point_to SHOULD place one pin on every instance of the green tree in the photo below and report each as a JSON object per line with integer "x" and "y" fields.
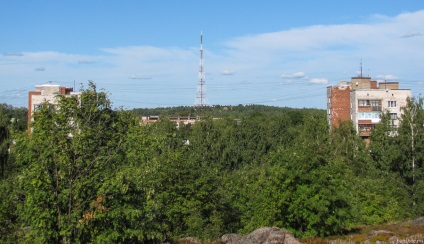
{"x": 12, "y": 123}
{"x": 74, "y": 149}
{"x": 411, "y": 133}
{"x": 383, "y": 146}
{"x": 318, "y": 204}
{"x": 298, "y": 187}
{"x": 186, "y": 182}
{"x": 399, "y": 151}
{"x": 380, "y": 195}
{"x": 4, "y": 139}
{"x": 9, "y": 223}
{"x": 410, "y": 139}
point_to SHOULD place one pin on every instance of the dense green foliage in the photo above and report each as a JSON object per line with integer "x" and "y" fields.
{"x": 87, "y": 173}
{"x": 11, "y": 120}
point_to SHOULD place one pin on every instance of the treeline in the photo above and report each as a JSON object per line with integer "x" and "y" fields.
{"x": 218, "y": 111}
{"x": 88, "y": 173}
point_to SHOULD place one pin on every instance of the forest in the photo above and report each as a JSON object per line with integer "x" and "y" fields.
{"x": 88, "y": 173}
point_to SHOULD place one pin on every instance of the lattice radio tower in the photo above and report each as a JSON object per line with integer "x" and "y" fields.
{"x": 201, "y": 100}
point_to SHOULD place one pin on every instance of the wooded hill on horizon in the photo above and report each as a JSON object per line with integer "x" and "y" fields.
{"x": 232, "y": 111}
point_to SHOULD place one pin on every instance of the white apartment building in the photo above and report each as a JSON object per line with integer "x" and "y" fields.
{"x": 45, "y": 93}
{"x": 363, "y": 101}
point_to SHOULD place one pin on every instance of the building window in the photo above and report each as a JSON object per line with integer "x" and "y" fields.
{"x": 36, "y": 107}
{"x": 391, "y": 104}
{"x": 393, "y": 116}
{"x": 369, "y": 115}
{"x": 365, "y": 127}
{"x": 374, "y": 104}
{"x": 392, "y": 124}
{"x": 364, "y": 103}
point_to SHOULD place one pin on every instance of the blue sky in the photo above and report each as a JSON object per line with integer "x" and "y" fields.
{"x": 146, "y": 53}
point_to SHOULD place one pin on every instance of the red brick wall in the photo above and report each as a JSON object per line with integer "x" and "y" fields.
{"x": 340, "y": 104}
{"x": 66, "y": 90}
{"x": 30, "y": 94}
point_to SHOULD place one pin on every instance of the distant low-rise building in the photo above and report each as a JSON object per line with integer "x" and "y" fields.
{"x": 179, "y": 120}
{"x": 363, "y": 101}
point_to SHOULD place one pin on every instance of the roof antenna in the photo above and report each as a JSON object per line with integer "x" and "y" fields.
{"x": 360, "y": 68}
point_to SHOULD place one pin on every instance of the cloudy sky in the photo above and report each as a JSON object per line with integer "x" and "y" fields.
{"x": 146, "y": 53}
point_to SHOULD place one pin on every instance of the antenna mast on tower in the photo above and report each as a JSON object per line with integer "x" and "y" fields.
{"x": 201, "y": 100}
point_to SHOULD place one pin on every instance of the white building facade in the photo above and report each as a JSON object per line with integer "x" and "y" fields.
{"x": 45, "y": 93}
{"x": 364, "y": 101}
{"x": 368, "y": 105}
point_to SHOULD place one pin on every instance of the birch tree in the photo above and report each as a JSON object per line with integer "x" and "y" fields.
{"x": 411, "y": 142}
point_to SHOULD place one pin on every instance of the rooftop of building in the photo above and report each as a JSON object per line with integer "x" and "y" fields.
{"x": 48, "y": 85}
{"x": 366, "y": 83}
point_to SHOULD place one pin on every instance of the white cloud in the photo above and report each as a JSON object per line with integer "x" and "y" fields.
{"x": 333, "y": 52}
{"x": 387, "y": 77}
{"x": 143, "y": 53}
{"x": 297, "y": 75}
{"x": 319, "y": 81}
{"x": 346, "y": 41}
{"x": 13, "y": 54}
{"x": 138, "y": 77}
{"x": 228, "y": 72}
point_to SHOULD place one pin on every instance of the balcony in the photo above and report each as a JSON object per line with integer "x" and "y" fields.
{"x": 370, "y": 109}
{"x": 376, "y": 108}
{"x": 364, "y": 133}
{"x": 366, "y": 128}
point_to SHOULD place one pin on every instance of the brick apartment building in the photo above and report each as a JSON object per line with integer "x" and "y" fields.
{"x": 363, "y": 101}
{"x": 45, "y": 93}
